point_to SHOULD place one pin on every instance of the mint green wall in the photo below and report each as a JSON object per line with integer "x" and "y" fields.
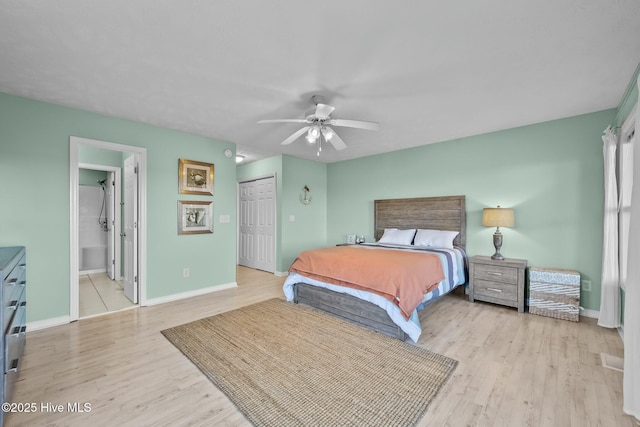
{"x": 309, "y": 228}
{"x": 90, "y": 177}
{"x": 34, "y": 147}
{"x": 551, "y": 174}
{"x": 100, "y": 156}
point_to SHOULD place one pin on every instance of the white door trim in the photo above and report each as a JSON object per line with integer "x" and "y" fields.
{"x": 141, "y": 155}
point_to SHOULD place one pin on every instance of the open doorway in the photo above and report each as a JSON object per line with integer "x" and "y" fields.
{"x": 101, "y": 286}
{"x": 107, "y": 267}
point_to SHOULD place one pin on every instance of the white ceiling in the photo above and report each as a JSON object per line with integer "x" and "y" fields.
{"x": 427, "y": 71}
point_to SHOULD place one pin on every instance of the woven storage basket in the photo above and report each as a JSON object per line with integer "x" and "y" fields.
{"x": 554, "y": 293}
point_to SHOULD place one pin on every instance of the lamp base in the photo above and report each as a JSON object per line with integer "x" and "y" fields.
{"x": 497, "y": 243}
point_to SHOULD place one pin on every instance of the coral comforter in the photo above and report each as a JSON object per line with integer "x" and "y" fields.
{"x": 399, "y": 276}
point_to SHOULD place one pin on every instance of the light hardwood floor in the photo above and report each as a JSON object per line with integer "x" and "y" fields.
{"x": 514, "y": 369}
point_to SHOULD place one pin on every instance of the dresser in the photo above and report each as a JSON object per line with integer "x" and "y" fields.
{"x": 498, "y": 281}
{"x": 13, "y": 282}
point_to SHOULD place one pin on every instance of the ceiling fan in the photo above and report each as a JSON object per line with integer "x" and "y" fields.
{"x": 317, "y": 128}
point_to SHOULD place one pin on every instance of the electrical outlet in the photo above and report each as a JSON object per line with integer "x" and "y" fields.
{"x": 185, "y": 272}
{"x": 586, "y": 285}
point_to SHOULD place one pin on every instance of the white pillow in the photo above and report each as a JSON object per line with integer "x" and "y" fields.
{"x": 397, "y": 237}
{"x": 435, "y": 238}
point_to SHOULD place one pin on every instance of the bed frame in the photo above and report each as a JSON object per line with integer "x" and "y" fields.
{"x": 436, "y": 213}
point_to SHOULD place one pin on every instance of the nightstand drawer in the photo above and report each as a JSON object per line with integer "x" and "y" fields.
{"x": 496, "y": 273}
{"x": 502, "y": 291}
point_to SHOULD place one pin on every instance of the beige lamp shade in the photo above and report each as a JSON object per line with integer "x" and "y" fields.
{"x": 498, "y": 217}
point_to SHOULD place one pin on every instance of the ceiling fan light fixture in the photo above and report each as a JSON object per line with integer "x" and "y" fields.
{"x": 327, "y": 133}
{"x": 310, "y": 139}
{"x": 314, "y": 132}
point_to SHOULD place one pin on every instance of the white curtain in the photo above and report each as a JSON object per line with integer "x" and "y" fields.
{"x": 625, "y": 176}
{"x": 631, "y": 379}
{"x": 609, "y": 288}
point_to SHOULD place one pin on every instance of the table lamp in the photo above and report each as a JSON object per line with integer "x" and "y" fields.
{"x": 497, "y": 217}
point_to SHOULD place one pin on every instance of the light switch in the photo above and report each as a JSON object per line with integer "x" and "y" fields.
{"x": 292, "y": 218}
{"x": 224, "y": 219}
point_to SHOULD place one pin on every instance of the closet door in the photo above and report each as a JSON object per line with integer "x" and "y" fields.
{"x": 257, "y": 224}
{"x": 265, "y": 224}
{"x": 247, "y": 224}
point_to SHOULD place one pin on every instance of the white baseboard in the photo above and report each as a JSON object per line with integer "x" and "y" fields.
{"x": 281, "y": 273}
{"x": 63, "y": 320}
{"x": 189, "y": 294}
{"x": 48, "y": 323}
{"x": 593, "y": 314}
{"x": 621, "y": 332}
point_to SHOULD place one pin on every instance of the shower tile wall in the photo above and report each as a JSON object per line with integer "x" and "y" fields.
{"x": 92, "y": 239}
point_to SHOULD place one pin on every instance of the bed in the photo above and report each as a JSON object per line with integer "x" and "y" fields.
{"x": 369, "y": 308}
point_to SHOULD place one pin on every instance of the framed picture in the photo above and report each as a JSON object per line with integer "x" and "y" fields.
{"x": 195, "y": 177}
{"x": 195, "y": 217}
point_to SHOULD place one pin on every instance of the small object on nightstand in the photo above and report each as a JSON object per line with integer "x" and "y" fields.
{"x": 351, "y": 239}
{"x": 498, "y": 281}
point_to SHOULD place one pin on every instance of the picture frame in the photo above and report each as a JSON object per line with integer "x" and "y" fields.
{"x": 195, "y": 217}
{"x": 195, "y": 177}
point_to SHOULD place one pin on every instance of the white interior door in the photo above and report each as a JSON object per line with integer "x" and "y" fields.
{"x": 130, "y": 230}
{"x": 256, "y": 243}
{"x": 265, "y": 224}
{"x": 111, "y": 223}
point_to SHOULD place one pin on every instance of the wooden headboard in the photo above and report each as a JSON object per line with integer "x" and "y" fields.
{"x": 435, "y": 213}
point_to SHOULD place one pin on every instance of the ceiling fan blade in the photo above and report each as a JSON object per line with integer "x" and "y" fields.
{"x": 354, "y": 124}
{"x": 295, "y": 136}
{"x": 333, "y": 138}
{"x": 323, "y": 111}
{"x": 284, "y": 121}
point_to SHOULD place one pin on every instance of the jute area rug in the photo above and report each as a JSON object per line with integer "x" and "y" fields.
{"x": 284, "y": 364}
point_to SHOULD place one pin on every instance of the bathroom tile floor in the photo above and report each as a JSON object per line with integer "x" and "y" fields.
{"x": 99, "y": 294}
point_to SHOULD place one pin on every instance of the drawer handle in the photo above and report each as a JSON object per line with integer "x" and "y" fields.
{"x": 13, "y": 305}
{"x": 22, "y": 283}
{"x": 14, "y": 365}
{"x": 493, "y": 273}
{"x": 12, "y": 281}
{"x": 494, "y": 290}
{"x": 23, "y": 304}
{"x": 23, "y": 329}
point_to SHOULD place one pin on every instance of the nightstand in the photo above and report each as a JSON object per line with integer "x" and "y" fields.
{"x": 497, "y": 281}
